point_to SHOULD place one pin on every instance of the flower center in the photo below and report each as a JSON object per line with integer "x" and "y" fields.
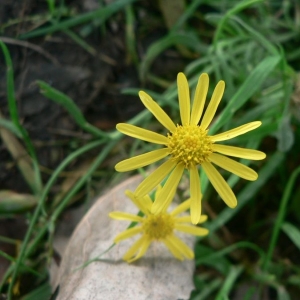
{"x": 158, "y": 226}
{"x": 190, "y": 145}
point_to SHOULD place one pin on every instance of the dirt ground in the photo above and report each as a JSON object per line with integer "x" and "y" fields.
{"x": 93, "y": 81}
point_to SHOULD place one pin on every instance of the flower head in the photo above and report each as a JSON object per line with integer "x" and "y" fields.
{"x": 157, "y": 227}
{"x": 188, "y": 146}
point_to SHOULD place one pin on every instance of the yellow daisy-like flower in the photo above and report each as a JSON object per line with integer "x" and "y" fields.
{"x": 157, "y": 227}
{"x": 188, "y": 146}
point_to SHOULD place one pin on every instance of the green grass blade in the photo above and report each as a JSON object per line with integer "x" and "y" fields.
{"x": 42, "y": 292}
{"x": 280, "y": 217}
{"x": 159, "y": 46}
{"x": 258, "y": 36}
{"x": 36, "y": 183}
{"x": 187, "y": 14}
{"x": 81, "y": 42}
{"x": 10, "y": 86}
{"x": 130, "y": 36}
{"x": 292, "y": 232}
{"x": 24, "y": 267}
{"x": 240, "y": 6}
{"x": 208, "y": 289}
{"x": 285, "y": 134}
{"x": 211, "y": 257}
{"x": 220, "y": 263}
{"x": 71, "y": 107}
{"x": 232, "y": 276}
{"x": 11, "y": 127}
{"x": 248, "y": 88}
{"x": 102, "y": 14}
{"x": 282, "y": 293}
{"x": 99, "y": 159}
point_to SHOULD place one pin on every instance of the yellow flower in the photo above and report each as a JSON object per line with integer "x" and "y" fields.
{"x": 188, "y": 146}
{"x": 158, "y": 227}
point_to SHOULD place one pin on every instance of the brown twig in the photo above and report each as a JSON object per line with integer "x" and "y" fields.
{"x": 30, "y": 46}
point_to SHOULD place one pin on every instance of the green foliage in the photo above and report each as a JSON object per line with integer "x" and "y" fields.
{"x": 102, "y": 13}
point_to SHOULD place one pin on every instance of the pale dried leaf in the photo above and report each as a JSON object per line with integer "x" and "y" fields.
{"x": 158, "y": 275}
{"x": 172, "y": 10}
{"x": 71, "y": 180}
{"x": 11, "y": 202}
{"x": 19, "y": 153}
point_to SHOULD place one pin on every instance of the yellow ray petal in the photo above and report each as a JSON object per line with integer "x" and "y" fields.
{"x": 176, "y": 253}
{"x": 195, "y": 188}
{"x": 192, "y": 229}
{"x": 233, "y": 166}
{"x": 118, "y": 215}
{"x": 213, "y": 104}
{"x": 143, "y": 249}
{"x": 158, "y": 189}
{"x": 181, "y": 207}
{"x": 142, "y": 134}
{"x": 133, "y": 249}
{"x": 168, "y": 190}
{"x": 157, "y": 111}
{"x": 199, "y": 98}
{"x": 184, "y": 249}
{"x": 165, "y": 203}
{"x": 168, "y": 201}
{"x": 187, "y": 219}
{"x": 138, "y": 201}
{"x": 184, "y": 98}
{"x": 203, "y": 219}
{"x": 155, "y": 178}
{"x": 230, "y": 134}
{"x": 220, "y": 184}
{"x": 128, "y": 233}
{"x": 239, "y": 152}
{"x": 141, "y": 160}
{"x": 147, "y": 202}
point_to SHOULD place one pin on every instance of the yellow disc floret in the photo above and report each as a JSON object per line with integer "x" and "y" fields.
{"x": 158, "y": 226}
{"x": 190, "y": 145}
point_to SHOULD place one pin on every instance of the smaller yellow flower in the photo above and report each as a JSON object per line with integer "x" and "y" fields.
{"x": 158, "y": 227}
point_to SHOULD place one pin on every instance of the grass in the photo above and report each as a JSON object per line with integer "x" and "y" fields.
{"x": 252, "y": 45}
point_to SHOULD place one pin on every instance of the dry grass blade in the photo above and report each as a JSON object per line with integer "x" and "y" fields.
{"x": 172, "y": 11}
{"x": 70, "y": 181}
{"x": 11, "y": 202}
{"x": 34, "y": 47}
{"x": 19, "y": 154}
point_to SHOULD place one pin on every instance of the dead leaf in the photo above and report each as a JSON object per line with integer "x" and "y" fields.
{"x": 172, "y": 10}
{"x": 19, "y": 153}
{"x": 71, "y": 180}
{"x": 11, "y": 202}
{"x": 158, "y": 275}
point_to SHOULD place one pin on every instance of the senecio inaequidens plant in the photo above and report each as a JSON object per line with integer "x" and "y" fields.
{"x": 186, "y": 146}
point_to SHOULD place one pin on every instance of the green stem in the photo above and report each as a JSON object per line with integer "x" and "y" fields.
{"x": 37, "y": 187}
{"x": 280, "y": 217}
{"x": 227, "y": 250}
{"x": 79, "y": 184}
{"x": 101, "y": 14}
